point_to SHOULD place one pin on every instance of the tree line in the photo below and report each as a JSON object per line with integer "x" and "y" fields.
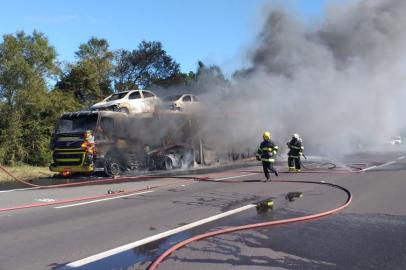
{"x": 35, "y": 88}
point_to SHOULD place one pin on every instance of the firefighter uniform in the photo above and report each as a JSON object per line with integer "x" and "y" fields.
{"x": 266, "y": 153}
{"x": 89, "y": 146}
{"x": 295, "y": 151}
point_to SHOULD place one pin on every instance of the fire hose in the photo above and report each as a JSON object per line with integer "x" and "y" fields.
{"x": 154, "y": 265}
{"x": 328, "y": 165}
{"x": 98, "y": 181}
{"x": 17, "y": 179}
{"x": 182, "y": 244}
{"x": 108, "y": 195}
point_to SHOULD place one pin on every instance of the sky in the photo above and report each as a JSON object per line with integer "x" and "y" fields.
{"x": 213, "y": 31}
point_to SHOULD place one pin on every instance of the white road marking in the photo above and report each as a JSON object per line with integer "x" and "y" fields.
{"x": 379, "y": 166}
{"x": 101, "y": 200}
{"x": 18, "y": 189}
{"x": 369, "y": 168}
{"x": 152, "y": 238}
{"x": 387, "y": 163}
{"x": 45, "y": 200}
{"x": 231, "y": 177}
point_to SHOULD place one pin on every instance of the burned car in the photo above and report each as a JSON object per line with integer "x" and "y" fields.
{"x": 133, "y": 101}
{"x": 184, "y": 102}
{"x": 171, "y": 157}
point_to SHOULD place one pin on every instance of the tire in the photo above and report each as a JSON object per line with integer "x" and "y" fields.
{"x": 112, "y": 167}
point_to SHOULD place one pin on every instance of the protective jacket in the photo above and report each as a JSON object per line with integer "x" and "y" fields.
{"x": 267, "y": 151}
{"x": 295, "y": 148}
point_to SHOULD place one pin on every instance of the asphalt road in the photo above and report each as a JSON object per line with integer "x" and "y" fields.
{"x": 369, "y": 234}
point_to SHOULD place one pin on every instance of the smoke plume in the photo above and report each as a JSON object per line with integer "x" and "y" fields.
{"x": 340, "y": 83}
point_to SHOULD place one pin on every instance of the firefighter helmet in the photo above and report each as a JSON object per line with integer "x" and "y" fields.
{"x": 266, "y": 135}
{"x": 296, "y": 136}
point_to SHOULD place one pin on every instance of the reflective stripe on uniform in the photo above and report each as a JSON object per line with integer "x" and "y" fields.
{"x": 268, "y": 159}
{"x": 293, "y": 156}
{"x": 295, "y": 147}
{"x": 267, "y": 149}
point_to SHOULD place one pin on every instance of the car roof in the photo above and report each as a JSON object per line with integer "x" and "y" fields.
{"x": 149, "y": 91}
{"x": 122, "y": 92}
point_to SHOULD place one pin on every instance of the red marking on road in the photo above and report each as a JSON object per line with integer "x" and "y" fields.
{"x": 26, "y": 206}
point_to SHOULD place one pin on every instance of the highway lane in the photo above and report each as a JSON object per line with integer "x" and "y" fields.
{"x": 370, "y": 234}
{"x": 49, "y": 237}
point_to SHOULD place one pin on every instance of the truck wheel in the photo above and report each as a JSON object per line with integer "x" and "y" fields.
{"x": 112, "y": 167}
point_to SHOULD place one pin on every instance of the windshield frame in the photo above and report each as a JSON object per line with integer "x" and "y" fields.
{"x": 119, "y": 95}
{"x": 171, "y": 98}
{"x": 66, "y": 124}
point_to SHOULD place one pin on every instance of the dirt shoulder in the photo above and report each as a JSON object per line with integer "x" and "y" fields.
{"x": 23, "y": 172}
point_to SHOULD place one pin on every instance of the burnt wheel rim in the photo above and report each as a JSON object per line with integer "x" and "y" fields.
{"x": 114, "y": 168}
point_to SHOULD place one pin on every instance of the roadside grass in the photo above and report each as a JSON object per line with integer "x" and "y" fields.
{"x": 23, "y": 172}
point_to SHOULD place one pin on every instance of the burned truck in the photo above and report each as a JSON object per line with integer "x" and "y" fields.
{"x": 139, "y": 142}
{"x": 124, "y": 142}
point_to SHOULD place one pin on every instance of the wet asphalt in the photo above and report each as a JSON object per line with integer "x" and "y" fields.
{"x": 369, "y": 234}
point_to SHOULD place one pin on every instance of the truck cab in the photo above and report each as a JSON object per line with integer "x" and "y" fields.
{"x": 71, "y": 154}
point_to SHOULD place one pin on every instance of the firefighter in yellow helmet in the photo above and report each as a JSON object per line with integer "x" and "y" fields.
{"x": 266, "y": 153}
{"x": 89, "y": 146}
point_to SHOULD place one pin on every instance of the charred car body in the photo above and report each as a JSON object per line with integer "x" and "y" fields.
{"x": 171, "y": 157}
{"x": 132, "y": 101}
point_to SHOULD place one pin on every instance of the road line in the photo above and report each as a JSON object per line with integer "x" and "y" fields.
{"x": 369, "y": 168}
{"x": 388, "y": 163}
{"x": 231, "y": 177}
{"x": 101, "y": 200}
{"x": 379, "y": 166}
{"x": 17, "y": 189}
{"x": 152, "y": 238}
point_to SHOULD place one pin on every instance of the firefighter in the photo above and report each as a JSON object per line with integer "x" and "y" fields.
{"x": 266, "y": 153}
{"x": 295, "y": 151}
{"x": 89, "y": 146}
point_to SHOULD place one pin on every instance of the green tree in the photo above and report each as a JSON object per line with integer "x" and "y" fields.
{"x": 147, "y": 66}
{"x": 27, "y": 64}
{"x": 89, "y": 80}
{"x": 209, "y": 78}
